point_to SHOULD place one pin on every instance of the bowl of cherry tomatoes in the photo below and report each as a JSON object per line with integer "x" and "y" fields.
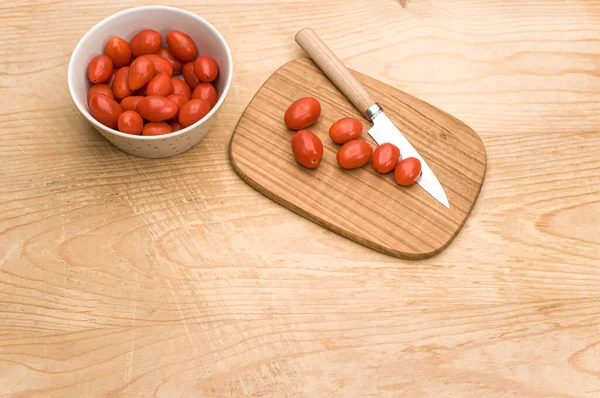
{"x": 151, "y": 79}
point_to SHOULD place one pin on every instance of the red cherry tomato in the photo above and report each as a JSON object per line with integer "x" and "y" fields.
{"x": 100, "y": 69}
{"x": 385, "y": 158}
{"x": 118, "y": 51}
{"x": 130, "y": 122}
{"x": 175, "y": 63}
{"x": 179, "y": 100}
{"x": 100, "y": 89}
{"x": 159, "y": 85}
{"x": 180, "y": 87}
{"x": 192, "y": 111}
{"x": 206, "y": 68}
{"x": 145, "y": 42}
{"x": 131, "y": 103}
{"x": 156, "y": 109}
{"x": 206, "y": 91}
{"x": 156, "y": 128}
{"x": 345, "y": 130}
{"x": 188, "y": 74}
{"x": 121, "y": 83}
{"x": 302, "y": 113}
{"x": 354, "y": 154}
{"x": 161, "y": 65}
{"x": 407, "y": 171}
{"x": 307, "y": 148}
{"x": 140, "y": 72}
{"x": 181, "y": 46}
{"x": 105, "y": 110}
{"x": 176, "y": 126}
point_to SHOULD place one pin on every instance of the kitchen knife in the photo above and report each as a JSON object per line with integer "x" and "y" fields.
{"x": 383, "y": 129}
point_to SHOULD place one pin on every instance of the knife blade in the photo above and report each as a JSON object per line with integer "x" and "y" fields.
{"x": 383, "y": 129}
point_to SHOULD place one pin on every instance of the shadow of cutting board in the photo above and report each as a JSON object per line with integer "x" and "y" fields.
{"x": 361, "y": 205}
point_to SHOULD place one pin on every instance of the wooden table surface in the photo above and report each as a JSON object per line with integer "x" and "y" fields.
{"x": 122, "y": 276}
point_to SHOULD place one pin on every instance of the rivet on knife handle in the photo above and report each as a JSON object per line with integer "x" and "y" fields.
{"x": 335, "y": 70}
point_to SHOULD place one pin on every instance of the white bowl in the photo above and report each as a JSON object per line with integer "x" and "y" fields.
{"x": 126, "y": 24}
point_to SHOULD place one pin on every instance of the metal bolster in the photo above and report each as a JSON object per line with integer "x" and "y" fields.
{"x": 373, "y": 111}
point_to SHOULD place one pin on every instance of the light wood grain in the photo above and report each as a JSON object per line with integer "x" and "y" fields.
{"x": 362, "y": 205}
{"x": 334, "y": 69}
{"x": 122, "y": 276}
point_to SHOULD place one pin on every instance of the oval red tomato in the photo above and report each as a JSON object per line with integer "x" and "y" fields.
{"x": 345, "y": 130}
{"x": 181, "y": 45}
{"x": 140, "y": 72}
{"x": 121, "y": 83}
{"x": 159, "y": 85}
{"x": 100, "y": 69}
{"x": 118, "y": 51}
{"x": 156, "y": 128}
{"x": 189, "y": 76}
{"x": 105, "y": 110}
{"x": 156, "y": 108}
{"x": 192, "y": 111}
{"x": 145, "y": 42}
{"x": 407, "y": 171}
{"x": 130, "y": 122}
{"x": 307, "y": 148}
{"x": 354, "y": 154}
{"x": 385, "y": 158}
{"x": 100, "y": 89}
{"x": 206, "y": 68}
{"x": 302, "y": 113}
{"x": 206, "y": 91}
{"x": 180, "y": 87}
{"x": 175, "y": 63}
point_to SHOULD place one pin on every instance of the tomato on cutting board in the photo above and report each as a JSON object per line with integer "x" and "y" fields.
{"x": 346, "y": 129}
{"x": 385, "y": 158}
{"x": 354, "y": 154}
{"x": 307, "y": 148}
{"x": 407, "y": 171}
{"x": 302, "y": 113}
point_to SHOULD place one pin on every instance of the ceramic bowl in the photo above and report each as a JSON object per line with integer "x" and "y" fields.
{"x": 126, "y": 24}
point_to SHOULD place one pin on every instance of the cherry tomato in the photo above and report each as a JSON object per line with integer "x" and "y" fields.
{"x": 302, "y": 113}
{"x": 181, "y": 46}
{"x": 161, "y": 65}
{"x": 100, "y": 69}
{"x": 140, "y": 72}
{"x": 206, "y": 91}
{"x": 121, "y": 83}
{"x": 175, "y": 63}
{"x": 407, "y": 171}
{"x": 354, "y": 154}
{"x": 385, "y": 158}
{"x": 159, "y": 85}
{"x": 345, "y": 130}
{"x": 192, "y": 111}
{"x": 179, "y": 100}
{"x": 154, "y": 128}
{"x": 118, "y": 51}
{"x": 145, "y": 42}
{"x": 206, "y": 68}
{"x": 130, "y": 122}
{"x": 131, "y": 103}
{"x": 105, "y": 110}
{"x": 181, "y": 88}
{"x": 307, "y": 148}
{"x": 100, "y": 89}
{"x": 176, "y": 126}
{"x": 156, "y": 109}
{"x": 188, "y": 74}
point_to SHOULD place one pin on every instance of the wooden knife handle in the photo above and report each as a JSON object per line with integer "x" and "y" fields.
{"x": 334, "y": 69}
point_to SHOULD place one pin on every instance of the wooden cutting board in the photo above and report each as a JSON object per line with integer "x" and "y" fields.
{"x": 361, "y": 205}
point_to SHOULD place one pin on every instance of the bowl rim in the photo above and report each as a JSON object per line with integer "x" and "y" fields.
{"x": 92, "y": 31}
